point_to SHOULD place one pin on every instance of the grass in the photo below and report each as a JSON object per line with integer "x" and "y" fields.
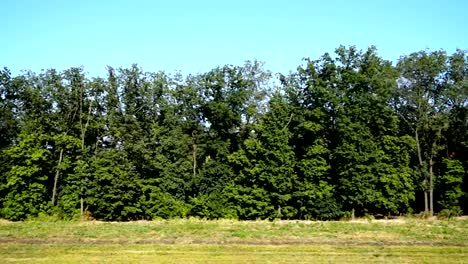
{"x": 225, "y": 241}
{"x": 229, "y": 254}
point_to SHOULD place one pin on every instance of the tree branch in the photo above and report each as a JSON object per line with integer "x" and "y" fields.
{"x": 289, "y": 121}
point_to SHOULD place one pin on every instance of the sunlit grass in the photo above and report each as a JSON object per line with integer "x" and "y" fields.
{"x": 227, "y": 241}
{"x": 186, "y": 230}
{"x": 229, "y": 254}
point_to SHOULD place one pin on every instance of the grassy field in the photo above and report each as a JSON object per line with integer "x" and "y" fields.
{"x": 224, "y": 241}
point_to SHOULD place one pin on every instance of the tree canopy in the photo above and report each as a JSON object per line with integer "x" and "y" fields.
{"x": 347, "y": 133}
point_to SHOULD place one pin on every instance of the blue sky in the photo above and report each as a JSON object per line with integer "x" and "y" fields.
{"x": 196, "y": 36}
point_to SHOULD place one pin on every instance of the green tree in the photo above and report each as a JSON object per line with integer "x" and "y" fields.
{"x": 348, "y": 102}
{"x": 264, "y": 168}
{"x": 314, "y": 194}
{"x": 449, "y": 185}
{"x": 456, "y": 135}
{"x": 8, "y": 124}
{"x": 422, "y": 103}
{"x": 25, "y": 189}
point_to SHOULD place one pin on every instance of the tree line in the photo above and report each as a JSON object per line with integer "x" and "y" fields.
{"x": 347, "y": 133}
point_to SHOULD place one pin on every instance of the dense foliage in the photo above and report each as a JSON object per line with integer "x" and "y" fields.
{"x": 348, "y": 133}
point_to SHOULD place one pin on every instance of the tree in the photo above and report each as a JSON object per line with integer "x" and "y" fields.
{"x": 347, "y": 99}
{"x": 25, "y": 183}
{"x": 449, "y": 185}
{"x": 263, "y": 169}
{"x": 422, "y": 103}
{"x": 346, "y": 133}
{"x": 8, "y": 124}
{"x": 25, "y": 189}
{"x": 231, "y": 100}
{"x": 314, "y": 194}
{"x": 456, "y": 135}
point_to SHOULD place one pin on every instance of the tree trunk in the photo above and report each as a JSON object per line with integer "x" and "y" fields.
{"x": 57, "y": 174}
{"x": 426, "y": 203}
{"x": 194, "y": 153}
{"x": 83, "y": 134}
{"x": 431, "y": 171}
{"x": 421, "y": 168}
{"x": 81, "y": 207}
{"x": 431, "y": 188}
{"x": 418, "y": 147}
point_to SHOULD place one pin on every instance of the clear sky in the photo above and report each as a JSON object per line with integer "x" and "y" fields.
{"x": 196, "y": 36}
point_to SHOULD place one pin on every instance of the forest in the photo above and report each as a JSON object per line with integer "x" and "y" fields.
{"x": 348, "y": 133}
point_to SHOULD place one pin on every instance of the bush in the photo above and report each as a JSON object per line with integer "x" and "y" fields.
{"x": 447, "y": 214}
{"x": 212, "y": 206}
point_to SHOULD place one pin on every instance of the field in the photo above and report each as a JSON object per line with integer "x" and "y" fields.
{"x": 225, "y": 241}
